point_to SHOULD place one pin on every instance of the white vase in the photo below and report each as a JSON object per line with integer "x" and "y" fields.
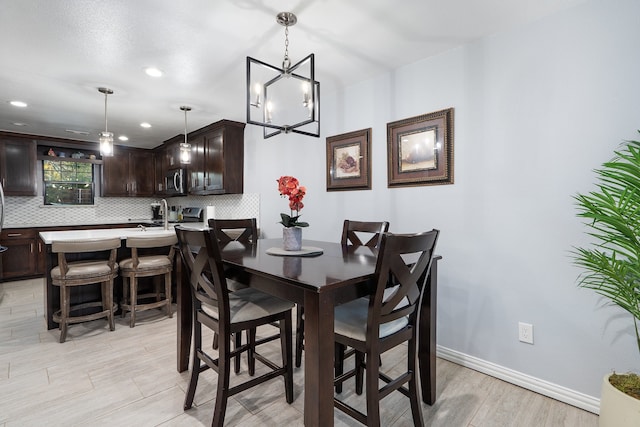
{"x": 292, "y": 238}
{"x": 617, "y": 409}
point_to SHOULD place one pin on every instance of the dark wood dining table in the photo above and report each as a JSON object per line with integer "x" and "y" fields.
{"x": 340, "y": 274}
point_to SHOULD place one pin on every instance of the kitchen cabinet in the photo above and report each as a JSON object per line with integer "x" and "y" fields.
{"x": 18, "y": 166}
{"x": 24, "y": 254}
{"x": 167, "y": 156}
{"x": 128, "y": 173}
{"x": 217, "y": 159}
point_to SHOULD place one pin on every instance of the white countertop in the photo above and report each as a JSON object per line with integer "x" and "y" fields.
{"x": 50, "y": 236}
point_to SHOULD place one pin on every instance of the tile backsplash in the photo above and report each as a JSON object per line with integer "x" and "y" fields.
{"x": 30, "y": 212}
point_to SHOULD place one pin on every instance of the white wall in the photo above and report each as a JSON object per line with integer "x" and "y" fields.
{"x": 536, "y": 109}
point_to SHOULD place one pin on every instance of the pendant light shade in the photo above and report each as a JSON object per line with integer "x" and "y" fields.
{"x": 106, "y": 137}
{"x": 185, "y": 147}
{"x": 286, "y": 99}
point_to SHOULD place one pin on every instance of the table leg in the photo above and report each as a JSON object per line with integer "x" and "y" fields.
{"x": 427, "y": 336}
{"x": 184, "y": 316}
{"x": 318, "y": 359}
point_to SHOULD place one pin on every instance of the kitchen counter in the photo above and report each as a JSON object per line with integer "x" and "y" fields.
{"x": 50, "y": 236}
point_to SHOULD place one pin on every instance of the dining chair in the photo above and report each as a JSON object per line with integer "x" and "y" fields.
{"x": 70, "y": 274}
{"x": 353, "y": 233}
{"x": 150, "y": 256}
{"x": 228, "y": 313}
{"x": 375, "y": 324}
{"x": 244, "y": 231}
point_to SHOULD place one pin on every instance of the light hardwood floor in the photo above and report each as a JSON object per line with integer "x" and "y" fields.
{"x": 128, "y": 377}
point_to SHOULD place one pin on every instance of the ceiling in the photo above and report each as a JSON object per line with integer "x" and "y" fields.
{"x": 55, "y": 54}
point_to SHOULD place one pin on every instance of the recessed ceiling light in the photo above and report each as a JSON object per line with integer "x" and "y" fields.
{"x": 18, "y": 103}
{"x": 19, "y": 124}
{"x": 153, "y": 72}
{"x": 123, "y": 138}
{"x": 145, "y": 125}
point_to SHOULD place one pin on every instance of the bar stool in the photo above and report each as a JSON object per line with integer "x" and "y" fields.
{"x": 147, "y": 266}
{"x": 79, "y": 273}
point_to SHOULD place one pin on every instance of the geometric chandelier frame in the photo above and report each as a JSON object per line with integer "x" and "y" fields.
{"x": 284, "y": 99}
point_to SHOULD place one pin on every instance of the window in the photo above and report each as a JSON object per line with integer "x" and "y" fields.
{"x": 67, "y": 182}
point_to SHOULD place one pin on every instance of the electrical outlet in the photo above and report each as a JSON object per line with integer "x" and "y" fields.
{"x": 525, "y": 332}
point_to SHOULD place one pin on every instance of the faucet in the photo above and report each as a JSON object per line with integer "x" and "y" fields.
{"x": 165, "y": 217}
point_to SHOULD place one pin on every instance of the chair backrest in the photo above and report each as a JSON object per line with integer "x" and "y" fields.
{"x": 227, "y": 230}
{"x": 151, "y": 242}
{"x": 62, "y": 248}
{"x": 404, "y": 260}
{"x": 352, "y": 231}
{"x": 203, "y": 262}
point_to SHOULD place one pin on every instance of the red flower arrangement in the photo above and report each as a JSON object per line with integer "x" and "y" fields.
{"x": 290, "y": 187}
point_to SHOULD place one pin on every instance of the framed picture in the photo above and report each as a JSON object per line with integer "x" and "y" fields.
{"x": 348, "y": 161}
{"x": 420, "y": 150}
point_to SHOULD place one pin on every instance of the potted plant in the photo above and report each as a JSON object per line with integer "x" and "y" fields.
{"x": 612, "y": 265}
{"x": 290, "y": 187}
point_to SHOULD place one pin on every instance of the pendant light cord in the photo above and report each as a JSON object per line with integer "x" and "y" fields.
{"x": 105, "y": 113}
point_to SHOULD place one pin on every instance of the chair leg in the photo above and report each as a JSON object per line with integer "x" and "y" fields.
{"x": 133, "y": 281}
{"x": 64, "y": 312}
{"x": 338, "y": 367}
{"x": 299, "y": 334}
{"x": 251, "y": 341}
{"x": 107, "y": 302}
{"x": 414, "y": 388}
{"x": 125, "y": 295}
{"x": 238, "y": 343}
{"x": 286, "y": 328}
{"x": 222, "y": 395}
{"x": 195, "y": 364}
{"x": 214, "y": 345}
{"x": 167, "y": 293}
{"x": 359, "y": 361}
{"x": 373, "y": 394}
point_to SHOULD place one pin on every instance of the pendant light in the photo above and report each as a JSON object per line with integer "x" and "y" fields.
{"x": 286, "y": 99}
{"x": 185, "y": 147}
{"x": 106, "y": 137}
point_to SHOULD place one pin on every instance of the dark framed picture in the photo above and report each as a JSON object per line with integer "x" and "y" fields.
{"x": 348, "y": 161}
{"x": 420, "y": 150}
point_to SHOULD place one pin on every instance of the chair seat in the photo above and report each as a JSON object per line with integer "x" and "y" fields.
{"x": 151, "y": 262}
{"x": 84, "y": 270}
{"x": 351, "y": 321}
{"x": 249, "y": 304}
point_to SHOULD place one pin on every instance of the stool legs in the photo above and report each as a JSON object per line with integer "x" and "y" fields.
{"x": 65, "y": 307}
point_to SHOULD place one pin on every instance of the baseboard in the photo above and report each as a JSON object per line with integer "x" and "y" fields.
{"x": 563, "y": 394}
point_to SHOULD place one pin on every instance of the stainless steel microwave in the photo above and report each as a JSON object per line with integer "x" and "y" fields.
{"x": 174, "y": 182}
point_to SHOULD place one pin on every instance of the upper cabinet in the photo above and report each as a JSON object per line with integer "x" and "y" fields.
{"x": 18, "y": 166}
{"x": 167, "y": 156}
{"x": 217, "y": 159}
{"x": 128, "y": 173}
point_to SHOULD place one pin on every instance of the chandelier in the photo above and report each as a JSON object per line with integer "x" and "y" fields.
{"x": 286, "y": 99}
{"x": 106, "y": 137}
{"x": 185, "y": 147}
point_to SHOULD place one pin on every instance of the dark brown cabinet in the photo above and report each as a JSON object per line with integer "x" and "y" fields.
{"x": 18, "y": 166}
{"x": 217, "y": 159}
{"x": 167, "y": 156}
{"x": 22, "y": 258}
{"x": 128, "y": 173}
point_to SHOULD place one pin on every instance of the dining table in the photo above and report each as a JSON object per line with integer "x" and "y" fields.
{"x": 326, "y": 275}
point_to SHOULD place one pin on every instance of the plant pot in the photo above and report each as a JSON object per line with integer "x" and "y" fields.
{"x": 292, "y": 238}
{"x": 617, "y": 409}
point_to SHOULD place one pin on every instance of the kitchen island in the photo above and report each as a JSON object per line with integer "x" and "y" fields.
{"x": 52, "y": 293}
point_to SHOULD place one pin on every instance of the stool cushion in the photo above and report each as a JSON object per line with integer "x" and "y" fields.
{"x": 250, "y": 304}
{"x": 151, "y": 262}
{"x": 84, "y": 270}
